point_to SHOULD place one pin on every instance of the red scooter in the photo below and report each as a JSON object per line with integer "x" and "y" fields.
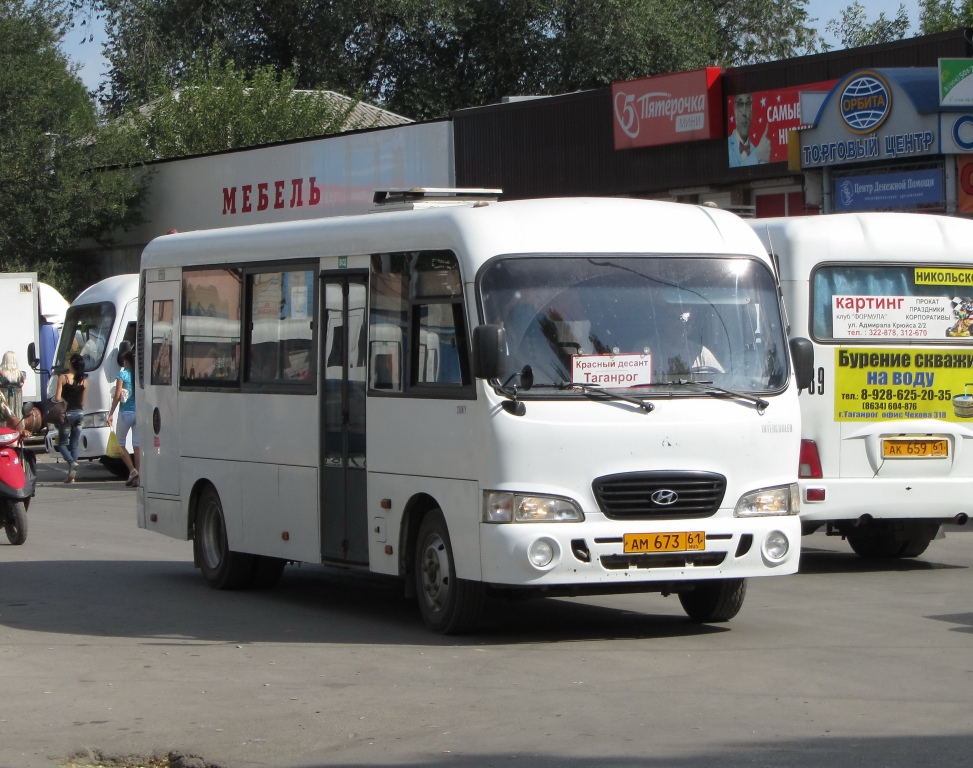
{"x": 17, "y": 473}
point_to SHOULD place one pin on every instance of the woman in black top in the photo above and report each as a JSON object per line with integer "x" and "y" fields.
{"x": 71, "y": 389}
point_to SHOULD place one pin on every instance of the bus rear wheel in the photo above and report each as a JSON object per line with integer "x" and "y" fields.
{"x": 714, "y": 601}
{"x": 448, "y": 605}
{"x": 222, "y": 568}
{"x": 882, "y": 541}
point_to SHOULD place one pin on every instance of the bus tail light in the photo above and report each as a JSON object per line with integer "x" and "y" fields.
{"x": 810, "y": 462}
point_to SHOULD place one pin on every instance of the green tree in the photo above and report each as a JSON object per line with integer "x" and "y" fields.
{"x": 423, "y": 58}
{"x": 220, "y": 108}
{"x": 52, "y": 201}
{"x": 944, "y": 15}
{"x": 854, "y": 29}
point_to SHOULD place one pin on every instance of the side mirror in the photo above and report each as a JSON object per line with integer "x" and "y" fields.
{"x": 489, "y": 352}
{"x": 803, "y": 353}
{"x": 32, "y": 360}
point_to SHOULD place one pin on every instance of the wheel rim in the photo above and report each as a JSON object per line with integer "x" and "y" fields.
{"x": 434, "y": 572}
{"x": 212, "y": 537}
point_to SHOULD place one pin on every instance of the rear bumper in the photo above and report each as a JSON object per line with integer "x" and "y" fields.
{"x": 941, "y": 499}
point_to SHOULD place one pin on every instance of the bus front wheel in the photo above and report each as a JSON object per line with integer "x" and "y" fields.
{"x": 714, "y": 601}
{"x": 222, "y": 568}
{"x": 448, "y": 605}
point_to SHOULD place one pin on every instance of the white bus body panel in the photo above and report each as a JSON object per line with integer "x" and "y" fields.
{"x": 559, "y": 449}
{"x": 856, "y": 479}
{"x": 121, "y": 291}
{"x": 452, "y": 450}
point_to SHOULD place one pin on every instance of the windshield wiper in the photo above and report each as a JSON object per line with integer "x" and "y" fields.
{"x": 713, "y": 389}
{"x": 592, "y": 390}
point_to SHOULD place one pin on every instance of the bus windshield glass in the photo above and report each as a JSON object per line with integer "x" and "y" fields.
{"x": 86, "y": 331}
{"x": 881, "y": 302}
{"x": 651, "y": 323}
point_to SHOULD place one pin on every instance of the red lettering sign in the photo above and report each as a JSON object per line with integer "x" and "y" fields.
{"x": 758, "y": 123}
{"x": 264, "y": 201}
{"x": 668, "y": 109}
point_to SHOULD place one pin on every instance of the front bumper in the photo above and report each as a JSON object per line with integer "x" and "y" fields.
{"x": 590, "y": 554}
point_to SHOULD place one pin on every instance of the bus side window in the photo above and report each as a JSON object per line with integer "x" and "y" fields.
{"x": 417, "y": 334}
{"x": 441, "y": 350}
{"x": 280, "y": 344}
{"x": 211, "y": 327}
{"x": 161, "y": 354}
{"x": 385, "y": 363}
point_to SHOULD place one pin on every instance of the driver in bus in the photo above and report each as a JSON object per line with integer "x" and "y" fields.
{"x": 683, "y": 350}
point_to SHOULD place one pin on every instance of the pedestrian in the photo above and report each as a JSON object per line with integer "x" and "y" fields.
{"x": 124, "y": 400}
{"x": 72, "y": 386}
{"x": 12, "y": 382}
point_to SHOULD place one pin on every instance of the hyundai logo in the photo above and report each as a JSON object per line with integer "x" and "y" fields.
{"x": 664, "y": 497}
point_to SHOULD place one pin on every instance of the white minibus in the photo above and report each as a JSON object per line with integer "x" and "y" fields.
{"x": 547, "y": 397}
{"x": 887, "y": 300}
{"x": 95, "y": 324}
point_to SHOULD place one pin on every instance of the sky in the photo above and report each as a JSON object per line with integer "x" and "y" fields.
{"x": 93, "y": 65}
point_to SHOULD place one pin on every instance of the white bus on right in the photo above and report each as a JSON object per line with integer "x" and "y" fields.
{"x": 887, "y": 435}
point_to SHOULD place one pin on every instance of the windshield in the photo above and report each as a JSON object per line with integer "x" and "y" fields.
{"x": 651, "y": 322}
{"x": 878, "y": 302}
{"x": 87, "y": 329}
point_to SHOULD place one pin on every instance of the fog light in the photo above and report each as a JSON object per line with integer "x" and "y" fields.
{"x": 776, "y": 545}
{"x": 541, "y": 553}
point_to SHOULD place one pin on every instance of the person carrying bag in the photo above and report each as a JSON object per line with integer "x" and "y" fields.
{"x": 124, "y": 401}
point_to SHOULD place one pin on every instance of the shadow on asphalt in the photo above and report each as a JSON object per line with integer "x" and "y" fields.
{"x": 820, "y": 561}
{"x": 159, "y": 600}
{"x": 943, "y": 751}
{"x": 51, "y": 471}
{"x": 901, "y": 752}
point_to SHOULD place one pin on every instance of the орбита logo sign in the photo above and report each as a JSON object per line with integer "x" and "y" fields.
{"x": 866, "y": 100}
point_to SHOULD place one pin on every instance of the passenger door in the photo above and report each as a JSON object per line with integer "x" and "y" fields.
{"x": 157, "y": 413}
{"x": 344, "y": 522}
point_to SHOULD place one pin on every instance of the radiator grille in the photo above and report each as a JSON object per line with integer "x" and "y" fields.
{"x": 666, "y": 560}
{"x": 644, "y": 495}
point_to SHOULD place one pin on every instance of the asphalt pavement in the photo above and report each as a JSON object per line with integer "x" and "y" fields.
{"x": 111, "y": 645}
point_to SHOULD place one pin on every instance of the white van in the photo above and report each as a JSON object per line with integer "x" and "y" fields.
{"x": 95, "y": 324}
{"x": 479, "y": 397}
{"x": 887, "y": 300}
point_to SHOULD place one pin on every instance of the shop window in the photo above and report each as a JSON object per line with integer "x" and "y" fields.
{"x": 782, "y": 204}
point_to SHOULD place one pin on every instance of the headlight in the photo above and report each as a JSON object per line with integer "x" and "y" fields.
{"x": 775, "y": 546}
{"x": 501, "y": 507}
{"x": 781, "y": 500}
{"x": 9, "y": 437}
{"x": 94, "y": 420}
